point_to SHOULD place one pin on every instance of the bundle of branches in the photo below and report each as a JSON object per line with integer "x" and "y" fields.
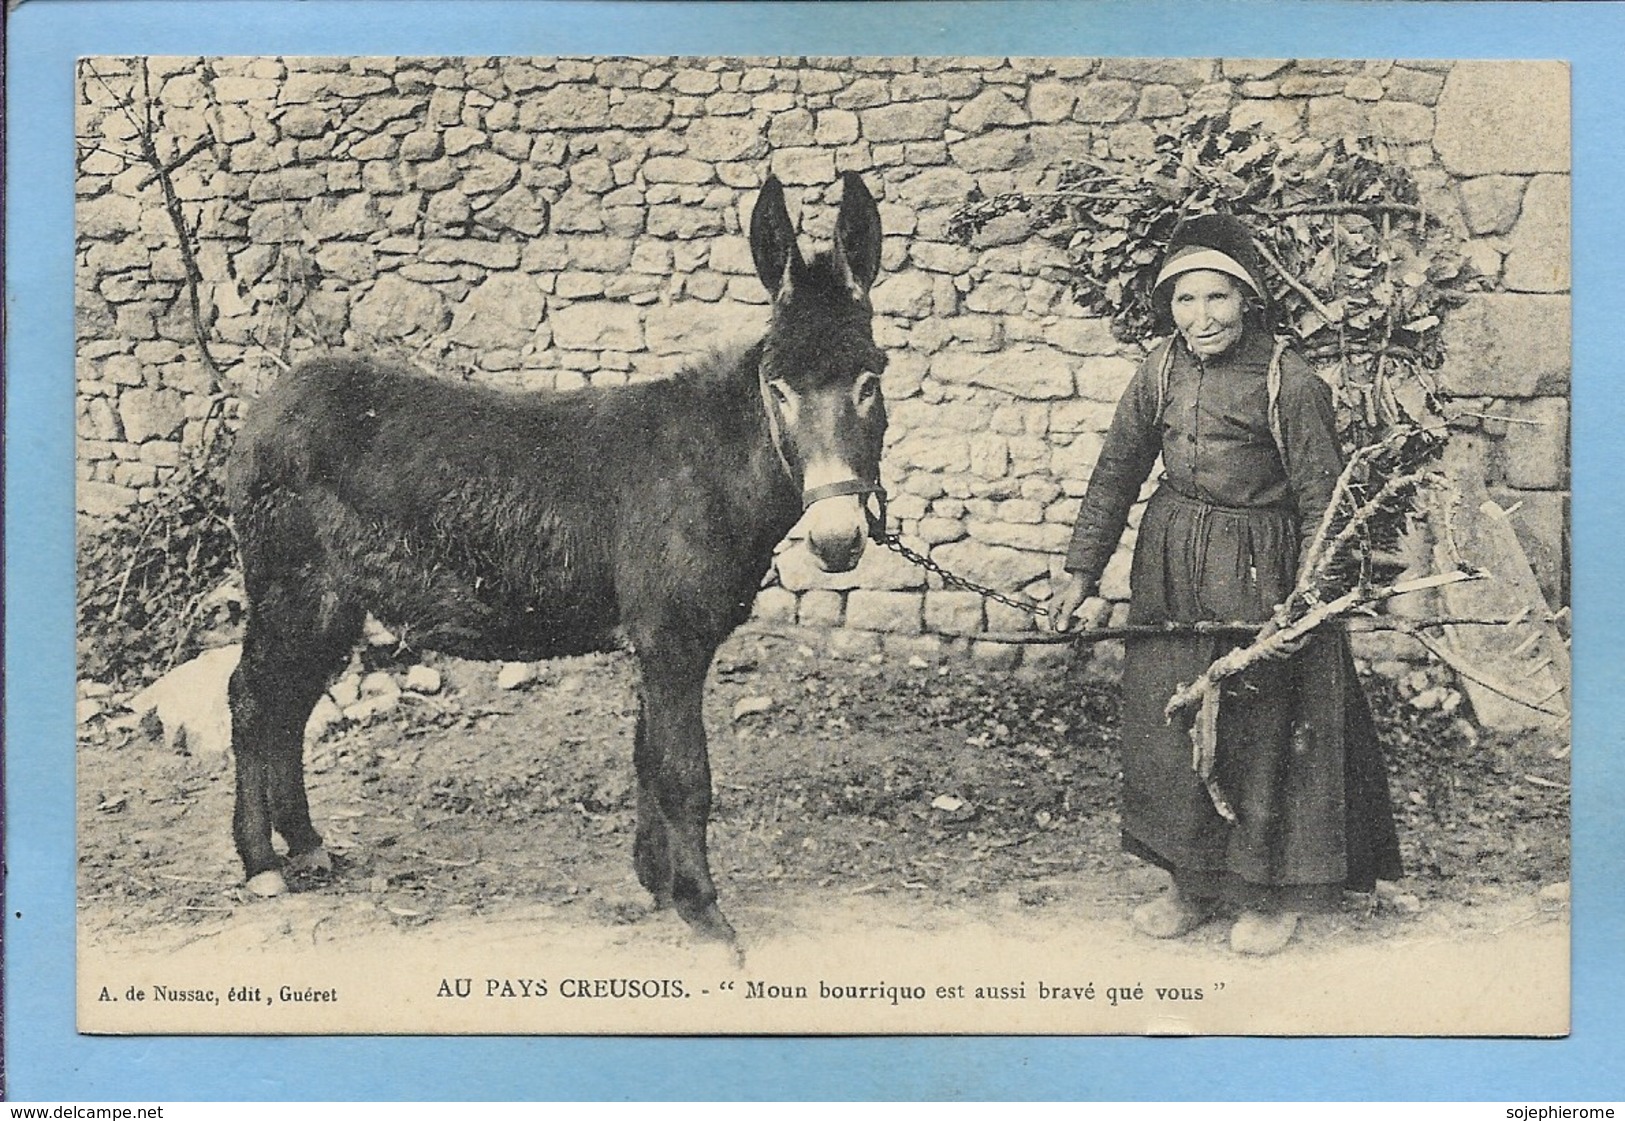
{"x": 150, "y": 581}
{"x": 1363, "y": 273}
{"x": 1340, "y": 573}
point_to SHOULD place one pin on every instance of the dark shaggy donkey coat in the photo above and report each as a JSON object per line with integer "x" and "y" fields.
{"x": 500, "y": 525}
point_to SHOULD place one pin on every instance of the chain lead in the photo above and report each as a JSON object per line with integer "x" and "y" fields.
{"x": 895, "y": 544}
{"x": 878, "y": 533}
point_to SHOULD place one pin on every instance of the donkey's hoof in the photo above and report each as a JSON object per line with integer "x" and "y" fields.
{"x": 317, "y": 861}
{"x": 268, "y": 885}
{"x": 710, "y": 926}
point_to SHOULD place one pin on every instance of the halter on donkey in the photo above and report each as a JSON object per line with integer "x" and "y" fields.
{"x": 499, "y": 525}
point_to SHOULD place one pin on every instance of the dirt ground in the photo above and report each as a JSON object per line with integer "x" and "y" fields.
{"x": 867, "y": 803}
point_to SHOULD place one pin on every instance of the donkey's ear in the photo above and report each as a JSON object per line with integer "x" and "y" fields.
{"x": 772, "y": 238}
{"x": 857, "y": 234}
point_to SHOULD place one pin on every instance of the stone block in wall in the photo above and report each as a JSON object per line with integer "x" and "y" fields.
{"x": 892, "y": 612}
{"x": 905, "y": 293}
{"x": 517, "y": 209}
{"x": 641, "y": 110}
{"x": 1182, "y": 72}
{"x": 395, "y": 307}
{"x": 774, "y": 605}
{"x": 601, "y": 254}
{"x": 1104, "y": 378}
{"x": 1537, "y": 258}
{"x": 1072, "y": 463}
{"x": 941, "y": 256}
{"x": 287, "y": 183}
{"x": 1490, "y": 203}
{"x": 1281, "y": 118}
{"x": 461, "y": 138}
{"x": 98, "y": 421}
{"x": 996, "y": 295}
{"x": 990, "y": 108}
{"x": 348, "y": 261}
{"x": 1033, "y": 373}
{"x": 836, "y": 126}
{"x": 102, "y": 499}
{"x": 910, "y": 120}
{"x": 863, "y": 93}
{"x": 820, "y": 608}
{"x": 1506, "y": 117}
{"x": 1508, "y": 345}
{"x": 623, "y": 221}
{"x": 989, "y": 455}
{"x": 994, "y": 151}
{"x": 804, "y": 166}
{"x": 676, "y": 169}
{"x": 577, "y": 212}
{"x": 1404, "y": 83}
{"x": 791, "y": 127}
{"x": 147, "y": 414}
{"x": 1403, "y": 122}
{"x": 486, "y": 254}
{"x": 486, "y": 172}
{"x": 1105, "y": 100}
{"x": 1048, "y": 538}
{"x": 680, "y": 328}
{"x": 1080, "y": 416}
{"x": 569, "y": 107}
{"x": 953, "y": 612}
{"x": 108, "y": 217}
{"x": 1160, "y": 100}
{"x": 162, "y": 453}
{"x": 997, "y": 566}
{"x": 674, "y": 220}
{"x": 1051, "y": 101}
{"x": 1535, "y": 450}
{"x": 1004, "y": 619}
{"x": 716, "y": 139}
{"x": 233, "y": 89}
{"x": 504, "y": 310}
{"x": 305, "y": 121}
{"x": 598, "y": 325}
{"x": 1082, "y": 335}
{"x": 1253, "y": 69}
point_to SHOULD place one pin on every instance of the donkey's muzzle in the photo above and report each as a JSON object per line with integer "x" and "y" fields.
{"x": 837, "y": 525}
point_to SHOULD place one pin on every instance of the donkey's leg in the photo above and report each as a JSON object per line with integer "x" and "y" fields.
{"x": 291, "y": 647}
{"x": 651, "y": 852}
{"x": 674, "y": 777}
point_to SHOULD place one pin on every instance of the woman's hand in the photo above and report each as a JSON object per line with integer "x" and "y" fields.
{"x": 1073, "y": 599}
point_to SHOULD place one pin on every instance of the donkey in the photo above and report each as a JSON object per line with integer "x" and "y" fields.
{"x": 498, "y": 525}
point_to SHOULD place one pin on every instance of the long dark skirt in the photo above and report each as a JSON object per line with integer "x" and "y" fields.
{"x": 1298, "y": 754}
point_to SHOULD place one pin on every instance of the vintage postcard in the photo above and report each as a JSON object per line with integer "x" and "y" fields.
{"x": 573, "y": 545}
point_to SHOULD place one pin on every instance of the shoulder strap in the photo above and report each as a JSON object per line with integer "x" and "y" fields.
{"x": 1165, "y": 373}
{"x": 1273, "y": 382}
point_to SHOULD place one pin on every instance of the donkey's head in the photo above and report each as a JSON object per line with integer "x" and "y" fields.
{"x": 820, "y": 367}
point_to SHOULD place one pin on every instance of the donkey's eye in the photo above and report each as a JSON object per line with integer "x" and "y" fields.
{"x": 868, "y": 389}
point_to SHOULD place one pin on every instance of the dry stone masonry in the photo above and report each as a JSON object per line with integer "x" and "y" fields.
{"x": 566, "y": 222}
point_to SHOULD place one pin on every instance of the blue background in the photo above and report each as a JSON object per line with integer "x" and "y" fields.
{"x": 45, "y": 1059}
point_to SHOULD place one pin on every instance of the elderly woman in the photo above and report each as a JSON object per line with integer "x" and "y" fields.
{"x": 1250, "y": 457}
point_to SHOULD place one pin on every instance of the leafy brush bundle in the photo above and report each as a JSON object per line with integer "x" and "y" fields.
{"x": 1363, "y": 274}
{"x": 149, "y": 582}
{"x": 1340, "y": 573}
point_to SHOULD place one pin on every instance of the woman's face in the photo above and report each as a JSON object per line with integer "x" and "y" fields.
{"x": 1207, "y": 309}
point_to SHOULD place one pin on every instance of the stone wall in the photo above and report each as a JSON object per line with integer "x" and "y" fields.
{"x": 571, "y": 222}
